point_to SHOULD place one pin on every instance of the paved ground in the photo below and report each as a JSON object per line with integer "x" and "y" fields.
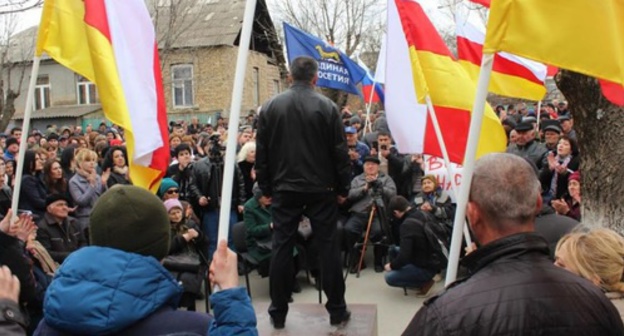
{"x": 394, "y": 309}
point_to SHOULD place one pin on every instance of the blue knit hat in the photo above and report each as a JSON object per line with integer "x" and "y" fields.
{"x": 166, "y": 184}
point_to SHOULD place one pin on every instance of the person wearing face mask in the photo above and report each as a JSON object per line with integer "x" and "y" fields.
{"x": 86, "y": 186}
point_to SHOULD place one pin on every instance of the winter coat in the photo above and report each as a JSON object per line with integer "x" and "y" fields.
{"x": 257, "y": 220}
{"x": 533, "y": 151}
{"x": 301, "y": 145}
{"x": 361, "y": 199}
{"x": 415, "y": 248}
{"x": 546, "y": 175}
{"x": 116, "y": 178}
{"x": 186, "y": 182}
{"x": 122, "y": 294}
{"x": 84, "y": 195}
{"x": 513, "y": 288}
{"x": 552, "y": 227}
{"x": 209, "y": 180}
{"x": 12, "y": 322}
{"x": 442, "y": 206}
{"x": 33, "y": 195}
{"x": 60, "y": 239}
{"x": 13, "y": 255}
{"x": 245, "y": 168}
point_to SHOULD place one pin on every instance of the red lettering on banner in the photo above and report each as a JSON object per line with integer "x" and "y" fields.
{"x": 435, "y": 163}
{"x": 458, "y": 179}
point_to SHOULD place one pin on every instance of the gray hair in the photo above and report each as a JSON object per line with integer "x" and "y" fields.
{"x": 303, "y": 68}
{"x": 247, "y": 147}
{"x": 506, "y": 188}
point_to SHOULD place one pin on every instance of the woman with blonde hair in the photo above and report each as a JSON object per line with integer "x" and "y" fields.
{"x": 598, "y": 256}
{"x": 86, "y": 185}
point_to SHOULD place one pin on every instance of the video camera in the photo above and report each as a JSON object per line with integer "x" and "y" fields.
{"x": 215, "y": 148}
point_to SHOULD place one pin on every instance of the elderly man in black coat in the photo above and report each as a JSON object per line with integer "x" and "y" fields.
{"x": 513, "y": 288}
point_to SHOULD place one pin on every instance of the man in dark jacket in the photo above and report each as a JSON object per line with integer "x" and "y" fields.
{"x": 513, "y": 288}
{"x": 59, "y": 233}
{"x": 182, "y": 173}
{"x": 302, "y": 162}
{"x": 208, "y": 177}
{"x": 412, "y": 264}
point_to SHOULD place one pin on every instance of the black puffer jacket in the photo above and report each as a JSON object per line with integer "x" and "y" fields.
{"x": 514, "y": 289}
{"x": 301, "y": 144}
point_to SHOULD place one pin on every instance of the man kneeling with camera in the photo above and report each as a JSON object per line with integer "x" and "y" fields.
{"x": 370, "y": 191}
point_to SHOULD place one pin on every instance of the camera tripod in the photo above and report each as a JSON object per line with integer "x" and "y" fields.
{"x": 377, "y": 208}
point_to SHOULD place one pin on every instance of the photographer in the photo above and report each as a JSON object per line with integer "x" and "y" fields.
{"x": 368, "y": 189}
{"x": 357, "y": 151}
{"x": 397, "y": 166}
{"x": 208, "y": 175}
{"x": 182, "y": 174}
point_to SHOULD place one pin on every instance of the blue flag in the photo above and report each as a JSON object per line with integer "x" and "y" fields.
{"x": 336, "y": 70}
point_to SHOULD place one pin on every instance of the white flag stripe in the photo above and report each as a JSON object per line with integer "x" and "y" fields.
{"x": 407, "y": 118}
{"x": 474, "y": 31}
{"x": 133, "y": 39}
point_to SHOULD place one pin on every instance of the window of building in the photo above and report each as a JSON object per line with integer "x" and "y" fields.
{"x": 87, "y": 92}
{"x": 42, "y": 92}
{"x": 182, "y": 85}
{"x": 256, "y": 86}
{"x": 276, "y": 86}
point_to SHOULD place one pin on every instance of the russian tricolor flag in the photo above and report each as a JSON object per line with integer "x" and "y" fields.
{"x": 368, "y": 83}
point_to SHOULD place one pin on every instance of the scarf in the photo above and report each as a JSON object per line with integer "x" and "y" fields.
{"x": 48, "y": 264}
{"x": 555, "y": 178}
{"x": 121, "y": 171}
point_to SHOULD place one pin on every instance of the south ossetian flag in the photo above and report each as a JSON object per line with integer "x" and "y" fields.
{"x": 113, "y": 44}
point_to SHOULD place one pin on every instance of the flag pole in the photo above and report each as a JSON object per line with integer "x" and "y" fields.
{"x": 539, "y": 115}
{"x": 30, "y": 94}
{"x": 476, "y": 120}
{"x": 449, "y": 169}
{"x": 235, "y": 108}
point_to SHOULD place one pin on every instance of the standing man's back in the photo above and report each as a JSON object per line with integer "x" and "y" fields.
{"x": 302, "y": 163}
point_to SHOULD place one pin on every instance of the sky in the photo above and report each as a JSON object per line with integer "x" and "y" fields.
{"x": 440, "y": 17}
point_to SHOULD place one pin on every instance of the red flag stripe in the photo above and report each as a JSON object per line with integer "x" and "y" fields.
{"x": 160, "y": 157}
{"x": 612, "y": 91}
{"x": 454, "y": 125}
{"x": 420, "y": 37}
{"x": 472, "y": 52}
{"x": 485, "y": 3}
{"x": 96, "y": 17}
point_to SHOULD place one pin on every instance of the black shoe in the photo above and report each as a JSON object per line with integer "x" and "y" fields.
{"x": 339, "y": 319}
{"x": 379, "y": 268}
{"x": 296, "y": 287}
{"x": 278, "y": 324}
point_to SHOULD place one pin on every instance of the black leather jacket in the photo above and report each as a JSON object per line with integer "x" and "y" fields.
{"x": 209, "y": 180}
{"x": 301, "y": 144}
{"x": 514, "y": 289}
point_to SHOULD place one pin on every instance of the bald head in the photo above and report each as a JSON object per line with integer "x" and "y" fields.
{"x": 506, "y": 191}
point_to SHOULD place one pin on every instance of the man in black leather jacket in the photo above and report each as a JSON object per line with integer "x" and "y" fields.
{"x": 208, "y": 177}
{"x": 512, "y": 287}
{"x": 302, "y": 163}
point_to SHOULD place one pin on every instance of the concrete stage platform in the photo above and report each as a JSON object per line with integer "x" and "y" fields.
{"x": 312, "y": 319}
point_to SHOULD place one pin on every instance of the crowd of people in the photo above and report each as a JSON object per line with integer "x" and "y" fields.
{"x": 308, "y": 176}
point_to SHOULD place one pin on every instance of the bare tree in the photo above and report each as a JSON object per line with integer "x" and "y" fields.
{"x": 15, "y": 57}
{"x": 17, "y": 6}
{"x": 347, "y": 24}
{"x": 172, "y": 20}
